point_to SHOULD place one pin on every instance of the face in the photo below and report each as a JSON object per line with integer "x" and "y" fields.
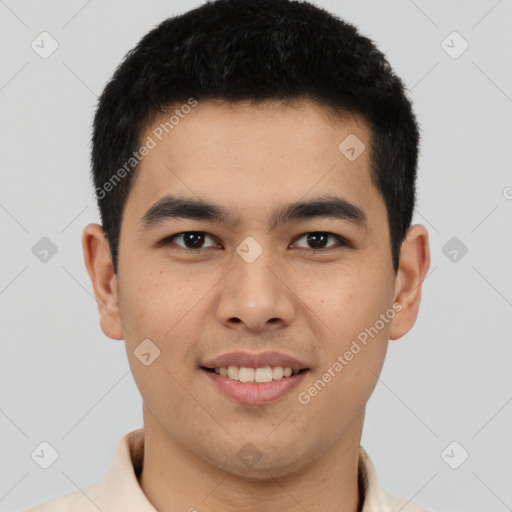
{"x": 305, "y": 284}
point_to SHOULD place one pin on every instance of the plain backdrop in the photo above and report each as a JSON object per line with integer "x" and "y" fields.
{"x": 446, "y": 388}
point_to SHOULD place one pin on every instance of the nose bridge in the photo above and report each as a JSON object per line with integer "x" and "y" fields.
{"x": 255, "y": 270}
{"x": 254, "y": 292}
{"x": 257, "y": 273}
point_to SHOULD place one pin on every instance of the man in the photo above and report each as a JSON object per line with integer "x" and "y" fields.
{"x": 254, "y": 164}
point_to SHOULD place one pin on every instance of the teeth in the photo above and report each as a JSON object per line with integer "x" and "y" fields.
{"x": 246, "y": 375}
{"x": 277, "y": 372}
{"x": 233, "y": 372}
{"x": 261, "y": 375}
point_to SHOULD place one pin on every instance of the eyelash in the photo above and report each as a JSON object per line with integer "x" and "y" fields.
{"x": 342, "y": 242}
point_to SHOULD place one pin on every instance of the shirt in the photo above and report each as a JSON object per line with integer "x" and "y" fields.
{"x": 119, "y": 489}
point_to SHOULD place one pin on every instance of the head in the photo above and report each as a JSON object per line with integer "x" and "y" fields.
{"x": 239, "y": 109}
{"x": 255, "y": 51}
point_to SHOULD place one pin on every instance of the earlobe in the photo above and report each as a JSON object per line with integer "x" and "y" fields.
{"x": 98, "y": 261}
{"x": 413, "y": 267}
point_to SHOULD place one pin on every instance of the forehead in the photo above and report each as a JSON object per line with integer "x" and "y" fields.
{"x": 248, "y": 156}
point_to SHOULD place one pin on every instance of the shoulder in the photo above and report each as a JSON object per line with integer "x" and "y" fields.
{"x": 396, "y": 504}
{"x": 76, "y": 501}
{"x": 376, "y": 498}
{"x": 119, "y": 489}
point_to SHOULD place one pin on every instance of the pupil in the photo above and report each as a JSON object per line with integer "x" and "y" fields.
{"x": 314, "y": 238}
{"x": 194, "y": 239}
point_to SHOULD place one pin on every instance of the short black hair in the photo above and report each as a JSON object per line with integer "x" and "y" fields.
{"x": 256, "y": 50}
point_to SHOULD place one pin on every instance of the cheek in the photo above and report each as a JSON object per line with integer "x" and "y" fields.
{"x": 164, "y": 301}
{"x": 156, "y": 310}
{"x": 348, "y": 301}
{"x": 351, "y": 305}
{"x": 160, "y": 307}
{"x": 152, "y": 304}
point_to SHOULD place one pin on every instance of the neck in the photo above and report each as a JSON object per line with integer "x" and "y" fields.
{"x": 175, "y": 478}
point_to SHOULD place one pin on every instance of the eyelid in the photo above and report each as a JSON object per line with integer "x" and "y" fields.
{"x": 342, "y": 242}
{"x": 170, "y": 238}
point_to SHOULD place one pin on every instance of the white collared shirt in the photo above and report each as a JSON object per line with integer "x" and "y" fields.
{"x": 119, "y": 489}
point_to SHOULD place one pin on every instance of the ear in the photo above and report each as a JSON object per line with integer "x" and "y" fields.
{"x": 413, "y": 267}
{"x": 98, "y": 261}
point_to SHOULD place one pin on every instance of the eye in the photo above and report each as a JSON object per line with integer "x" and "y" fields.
{"x": 192, "y": 240}
{"x": 318, "y": 240}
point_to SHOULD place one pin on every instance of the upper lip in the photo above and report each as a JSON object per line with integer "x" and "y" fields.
{"x": 256, "y": 360}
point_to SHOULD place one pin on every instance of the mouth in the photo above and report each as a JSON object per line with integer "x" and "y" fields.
{"x": 254, "y": 379}
{"x": 259, "y": 375}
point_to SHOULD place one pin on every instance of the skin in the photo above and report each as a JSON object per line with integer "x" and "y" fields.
{"x": 304, "y": 302}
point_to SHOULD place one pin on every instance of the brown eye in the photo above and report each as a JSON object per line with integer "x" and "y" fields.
{"x": 317, "y": 240}
{"x": 192, "y": 240}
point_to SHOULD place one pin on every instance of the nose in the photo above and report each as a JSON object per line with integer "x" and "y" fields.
{"x": 255, "y": 296}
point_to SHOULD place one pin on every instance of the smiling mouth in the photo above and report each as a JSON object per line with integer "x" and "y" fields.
{"x": 259, "y": 375}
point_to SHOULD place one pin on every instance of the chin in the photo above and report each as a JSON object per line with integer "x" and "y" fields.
{"x": 257, "y": 465}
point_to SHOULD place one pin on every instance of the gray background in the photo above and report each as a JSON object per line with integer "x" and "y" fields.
{"x": 63, "y": 381}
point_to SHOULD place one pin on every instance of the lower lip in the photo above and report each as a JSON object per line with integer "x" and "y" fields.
{"x": 255, "y": 393}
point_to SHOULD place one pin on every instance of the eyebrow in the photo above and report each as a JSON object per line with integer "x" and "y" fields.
{"x": 327, "y": 206}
